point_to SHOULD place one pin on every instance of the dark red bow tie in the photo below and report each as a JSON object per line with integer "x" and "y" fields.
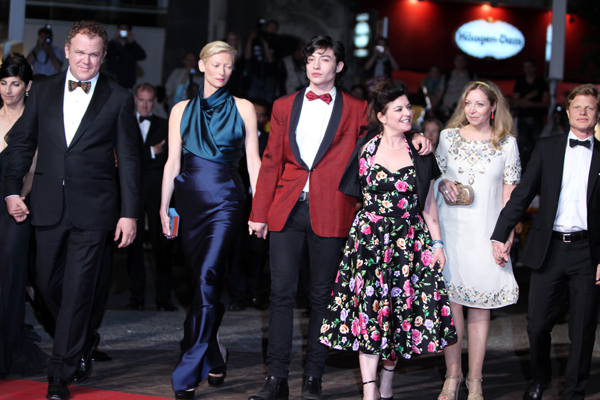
{"x": 313, "y": 96}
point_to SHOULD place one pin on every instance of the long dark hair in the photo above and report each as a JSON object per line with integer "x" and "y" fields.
{"x": 16, "y": 65}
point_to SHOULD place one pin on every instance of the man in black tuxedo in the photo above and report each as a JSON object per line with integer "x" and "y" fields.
{"x": 563, "y": 247}
{"x": 153, "y": 136}
{"x": 77, "y": 120}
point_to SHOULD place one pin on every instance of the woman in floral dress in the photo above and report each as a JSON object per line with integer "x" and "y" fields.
{"x": 389, "y": 299}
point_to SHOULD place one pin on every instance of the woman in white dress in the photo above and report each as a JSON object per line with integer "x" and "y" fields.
{"x": 479, "y": 149}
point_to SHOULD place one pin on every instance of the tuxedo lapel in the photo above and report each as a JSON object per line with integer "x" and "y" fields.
{"x": 558, "y": 157}
{"x": 56, "y": 109}
{"x": 151, "y": 131}
{"x": 294, "y": 118}
{"x": 332, "y": 126}
{"x": 101, "y": 93}
{"x": 594, "y": 170}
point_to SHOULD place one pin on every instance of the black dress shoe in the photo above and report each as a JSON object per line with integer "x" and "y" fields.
{"x": 136, "y": 304}
{"x": 311, "y": 388}
{"x": 274, "y": 389}
{"x": 57, "y": 389}
{"x": 216, "y": 381}
{"x": 100, "y": 356}
{"x": 256, "y": 303}
{"x": 84, "y": 370}
{"x": 184, "y": 395}
{"x": 534, "y": 391}
{"x": 165, "y": 305}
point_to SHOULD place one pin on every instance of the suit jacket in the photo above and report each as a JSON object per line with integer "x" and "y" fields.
{"x": 158, "y": 131}
{"x": 82, "y": 175}
{"x": 283, "y": 173}
{"x": 544, "y": 174}
{"x": 426, "y": 169}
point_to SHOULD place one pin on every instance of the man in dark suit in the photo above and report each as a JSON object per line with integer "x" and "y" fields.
{"x": 77, "y": 120}
{"x": 313, "y": 134}
{"x": 153, "y": 135}
{"x": 563, "y": 247}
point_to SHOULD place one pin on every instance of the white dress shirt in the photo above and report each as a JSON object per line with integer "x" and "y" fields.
{"x": 75, "y": 105}
{"x": 144, "y": 128}
{"x": 571, "y": 215}
{"x": 311, "y": 128}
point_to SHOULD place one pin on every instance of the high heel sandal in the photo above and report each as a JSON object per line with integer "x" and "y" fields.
{"x": 448, "y": 394}
{"x": 375, "y": 382}
{"x": 383, "y": 368}
{"x": 218, "y": 374}
{"x": 474, "y": 395}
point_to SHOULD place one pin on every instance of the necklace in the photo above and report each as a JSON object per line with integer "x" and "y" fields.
{"x": 390, "y": 148}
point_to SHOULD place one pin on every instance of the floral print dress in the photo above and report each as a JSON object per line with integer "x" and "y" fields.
{"x": 389, "y": 298}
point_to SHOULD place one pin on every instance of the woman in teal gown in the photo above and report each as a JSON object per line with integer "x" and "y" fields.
{"x": 208, "y": 135}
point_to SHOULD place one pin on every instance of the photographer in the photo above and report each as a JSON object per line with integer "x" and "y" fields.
{"x": 122, "y": 56}
{"x": 261, "y": 60}
{"x": 45, "y": 58}
{"x": 381, "y": 63}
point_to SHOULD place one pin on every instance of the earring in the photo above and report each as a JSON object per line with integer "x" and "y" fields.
{"x": 27, "y": 94}
{"x": 493, "y": 113}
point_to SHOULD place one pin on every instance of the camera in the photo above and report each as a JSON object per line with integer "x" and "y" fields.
{"x": 123, "y": 33}
{"x": 380, "y": 49}
{"x": 48, "y": 34}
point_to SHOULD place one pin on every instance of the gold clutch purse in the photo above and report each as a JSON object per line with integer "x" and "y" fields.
{"x": 465, "y": 197}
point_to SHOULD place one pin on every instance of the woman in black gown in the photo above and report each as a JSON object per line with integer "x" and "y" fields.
{"x": 18, "y": 352}
{"x": 212, "y": 131}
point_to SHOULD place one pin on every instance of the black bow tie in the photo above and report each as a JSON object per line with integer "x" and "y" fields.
{"x": 145, "y": 118}
{"x": 575, "y": 143}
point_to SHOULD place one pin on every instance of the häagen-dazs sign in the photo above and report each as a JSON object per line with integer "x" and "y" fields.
{"x": 496, "y": 39}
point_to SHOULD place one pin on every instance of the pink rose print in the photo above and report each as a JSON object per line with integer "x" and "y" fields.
{"x": 409, "y": 303}
{"x": 387, "y": 256}
{"x": 405, "y": 215}
{"x": 417, "y": 245}
{"x": 437, "y": 296}
{"x": 411, "y": 232}
{"x": 416, "y": 337}
{"x": 431, "y": 347}
{"x": 401, "y": 186}
{"x": 365, "y": 229}
{"x": 406, "y": 326}
{"x": 426, "y": 257}
{"x": 363, "y": 167}
{"x": 375, "y": 335}
{"x": 363, "y": 323}
{"x": 403, "y": 203}
{"x": 359, "y": 283}
{"x": 416, "y": 350}
{"x": 373, "y": 217}
{"x": 445, "y": 311}
{"x": 355, "y": 327}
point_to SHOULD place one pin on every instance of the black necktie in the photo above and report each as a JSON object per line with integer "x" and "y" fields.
{"x": 575, "y": 143}
{"x": 144, "y": 118}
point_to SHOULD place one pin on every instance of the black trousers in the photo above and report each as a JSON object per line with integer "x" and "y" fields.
{"x": 565, "y": 264}
{"x": 161, "y": 247}
{"x": 287, "y": 247}
{"x": 68, "y": 268}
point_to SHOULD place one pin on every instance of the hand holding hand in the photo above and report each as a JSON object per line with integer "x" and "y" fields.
{"x": 260, "y": 228}
{"x": 448, "y": 189}
{"x": 166, "y": 223}
{"x": 127, "y": 228}
{"x": 17, "y": 208}
{"x": 501, "y": 252}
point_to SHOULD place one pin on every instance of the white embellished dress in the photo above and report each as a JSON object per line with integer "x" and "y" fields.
{"x": 472, "y": 276}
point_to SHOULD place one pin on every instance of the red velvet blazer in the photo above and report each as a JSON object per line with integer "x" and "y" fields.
{"x": 283, "y": 173}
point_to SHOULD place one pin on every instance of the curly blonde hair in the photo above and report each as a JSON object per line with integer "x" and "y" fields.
{"x": 502, "y": 124}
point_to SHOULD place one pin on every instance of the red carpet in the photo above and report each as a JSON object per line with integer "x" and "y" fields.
{"x": 29, "y": 390}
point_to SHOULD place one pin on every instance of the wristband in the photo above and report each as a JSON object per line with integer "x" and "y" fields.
{"x": 437, "y": 246}
{"x": 437, "y": 241}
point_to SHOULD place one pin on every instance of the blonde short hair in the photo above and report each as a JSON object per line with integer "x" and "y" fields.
{"x": 215, "y": 47}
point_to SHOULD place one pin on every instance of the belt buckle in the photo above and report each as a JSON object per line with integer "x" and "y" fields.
{"x": 567, "y": 238}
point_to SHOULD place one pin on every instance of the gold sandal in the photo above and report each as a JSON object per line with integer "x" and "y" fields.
{"x": 451, "y": 394}
{"x": 473, "y": 395}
